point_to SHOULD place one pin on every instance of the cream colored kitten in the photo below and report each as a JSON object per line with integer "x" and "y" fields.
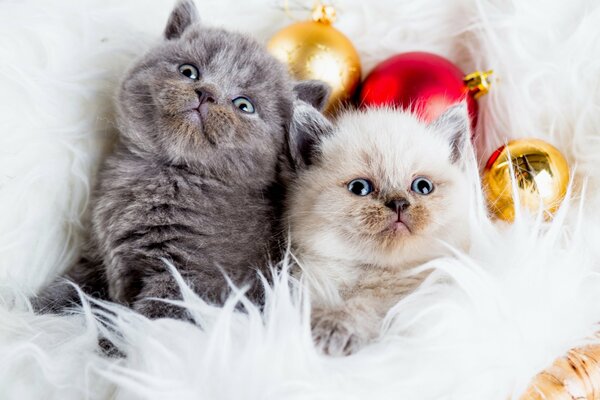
{"x": 376, "y": 194}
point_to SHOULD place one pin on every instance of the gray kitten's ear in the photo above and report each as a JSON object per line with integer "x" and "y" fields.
{"x": 455, "y": 124}
{"x": 307, "y": 128}
{"x": 183, "y": 15}
{"x": 316, "y": 93}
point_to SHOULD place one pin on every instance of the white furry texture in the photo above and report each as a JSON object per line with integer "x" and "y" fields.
{"x": 479, "y": 328}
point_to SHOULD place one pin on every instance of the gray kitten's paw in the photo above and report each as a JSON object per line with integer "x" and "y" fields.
{"x": 155, "y": 309}
{"x": 335, "y": 333}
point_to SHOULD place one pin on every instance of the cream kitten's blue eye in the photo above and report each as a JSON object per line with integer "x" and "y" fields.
{"x": 189, "y": 71}
{"x": 360, "y": 187}
{"x": 422, "y": 185}
{"x": 244, "y": 104}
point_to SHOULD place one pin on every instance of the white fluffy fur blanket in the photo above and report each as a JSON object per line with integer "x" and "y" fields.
{"x": 479, "y": 328}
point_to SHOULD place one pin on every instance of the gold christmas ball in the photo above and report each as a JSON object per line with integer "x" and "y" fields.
{"x": 316, "y": 50}
{"x": 574, "y": 376}
{"x": 539, "y": 171}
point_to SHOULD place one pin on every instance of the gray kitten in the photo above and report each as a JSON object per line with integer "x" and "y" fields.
{"x": 203, "y": 119}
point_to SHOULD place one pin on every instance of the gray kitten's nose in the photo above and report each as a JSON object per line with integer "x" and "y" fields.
{"x": 398, "y": 205}
{"x": 205, "y": 96}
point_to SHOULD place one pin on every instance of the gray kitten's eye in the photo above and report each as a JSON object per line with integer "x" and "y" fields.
{"x": 360, "y": 187}
{"x": 422, "y": 185}
{"x": 189, "y": 71}
{"x": 244, "y": 104}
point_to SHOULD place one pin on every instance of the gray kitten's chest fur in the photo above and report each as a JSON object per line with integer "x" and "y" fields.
{"x": 148, "y": 211}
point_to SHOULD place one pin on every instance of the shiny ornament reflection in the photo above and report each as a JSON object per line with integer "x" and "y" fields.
{"x": 539, "y": 171}
{"x": 316, "y": 50}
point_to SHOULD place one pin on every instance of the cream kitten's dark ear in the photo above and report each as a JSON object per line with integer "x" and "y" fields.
{"x": 183, "y": 15}
{"x": 316, "y": 93}
{"x": 307, "y": 128}
{"x": 455, "y": 124}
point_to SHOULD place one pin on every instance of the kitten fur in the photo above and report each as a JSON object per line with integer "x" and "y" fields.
{"x": 193, "y": 178}
{"x": 353, "y": 253}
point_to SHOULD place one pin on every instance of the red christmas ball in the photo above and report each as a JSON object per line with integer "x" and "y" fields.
{"x": 424, "y": 83}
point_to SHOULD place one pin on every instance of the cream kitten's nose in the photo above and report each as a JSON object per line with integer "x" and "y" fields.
{"x": 398, "y": 205}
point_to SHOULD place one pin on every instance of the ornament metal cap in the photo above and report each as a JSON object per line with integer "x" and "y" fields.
{"x": 478, "y": 82}
{"x": 324, "y": 14}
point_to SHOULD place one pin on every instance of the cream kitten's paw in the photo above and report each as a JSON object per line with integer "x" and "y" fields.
{"x": 336, "y": 333}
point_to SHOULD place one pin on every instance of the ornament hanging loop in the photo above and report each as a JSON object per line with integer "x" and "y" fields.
{"x": 324, "y": 14}
{"x": 478, "y": 82}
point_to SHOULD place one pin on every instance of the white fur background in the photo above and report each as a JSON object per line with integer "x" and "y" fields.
{"x": 479, "y": 328}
